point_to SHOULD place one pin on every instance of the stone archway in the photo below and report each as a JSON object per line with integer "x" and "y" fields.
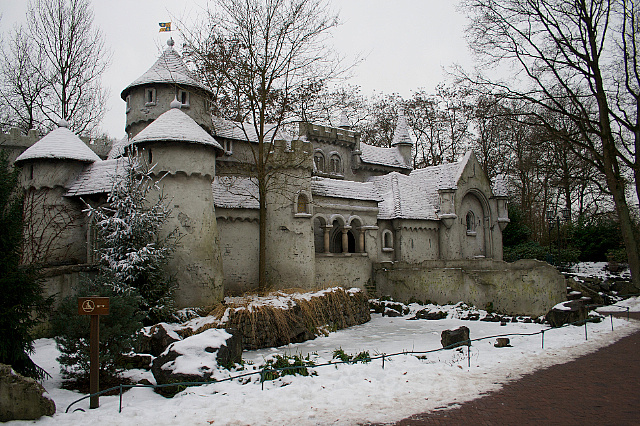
{"x": 475, "y": 226}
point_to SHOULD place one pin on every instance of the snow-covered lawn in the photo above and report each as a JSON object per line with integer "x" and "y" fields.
{"x": 347, "y": 394}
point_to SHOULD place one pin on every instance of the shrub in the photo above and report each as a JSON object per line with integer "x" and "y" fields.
{"x": 22, "y": 304}
{"x": 527, "y": 250}
{"x": 117, "y": 329}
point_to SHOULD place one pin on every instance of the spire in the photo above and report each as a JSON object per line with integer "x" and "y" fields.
{"x": 401, "y": 134}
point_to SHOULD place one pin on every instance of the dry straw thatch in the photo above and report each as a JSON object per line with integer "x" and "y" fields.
{"x": 285, "y": 317}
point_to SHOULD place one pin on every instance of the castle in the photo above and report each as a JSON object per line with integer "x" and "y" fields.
{"x": 340, "y": 212}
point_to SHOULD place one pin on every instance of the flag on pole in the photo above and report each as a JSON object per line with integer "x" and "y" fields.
{"x": 165, "y": 26}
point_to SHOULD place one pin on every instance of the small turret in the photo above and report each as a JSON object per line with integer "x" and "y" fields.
{"x": 402, "y": 140}
{"x": 168, "y": 80}
{"x": 56, "y": 226}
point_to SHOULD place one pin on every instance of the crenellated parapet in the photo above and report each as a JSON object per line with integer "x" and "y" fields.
{"x": 331, "y": 135}
{"x": 298, "y": 155}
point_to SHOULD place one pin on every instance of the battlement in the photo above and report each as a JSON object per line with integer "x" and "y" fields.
{"x": 298, "y": 154}
{"x": 329, "y": 134}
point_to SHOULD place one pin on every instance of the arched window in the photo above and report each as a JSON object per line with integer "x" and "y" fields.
{"x": 335, "y": 164}
{"x": 471, "y": 223}
{"x": 303, "y": 204}
{"x": 387, "y": 240}
{"x": 318, "y": 161}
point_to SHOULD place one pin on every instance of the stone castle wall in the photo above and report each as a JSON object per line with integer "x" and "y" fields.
{"x": 526, "y": 287}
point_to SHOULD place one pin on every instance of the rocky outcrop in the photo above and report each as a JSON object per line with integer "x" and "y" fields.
{"x": 453, "y": 338}
{"x": 22, "y": 398}
{"x": 571, "y": 312}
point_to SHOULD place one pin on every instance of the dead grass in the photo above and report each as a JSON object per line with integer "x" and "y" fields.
{"x": 296, "y": 317}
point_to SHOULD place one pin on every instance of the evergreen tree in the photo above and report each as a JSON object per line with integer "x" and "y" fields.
{"x": 129, "y": 242}
{"x": 22, "y": 304}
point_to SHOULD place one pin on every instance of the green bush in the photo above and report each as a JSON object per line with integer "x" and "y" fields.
{"x": 117, "y": 329}
{"x": 596, "y": 239}
{"x": 22, "y": 304}
{"x": 516, "y": 232}
{"x": 526, "y": 250}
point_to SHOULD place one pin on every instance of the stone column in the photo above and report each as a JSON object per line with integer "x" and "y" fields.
{"x": 327, "y": 233}
{"x": 361, "y": 241}
{"x": 345, "y": 239}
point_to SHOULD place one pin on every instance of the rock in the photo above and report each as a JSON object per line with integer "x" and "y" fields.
{"x": 569, "y": 312}
{"x": 429, "y": 315}
{"x": 472, "y": 317}
{"x": 492, "y": 318}
{"x": 453, "y": 338}
{"x": 502, "y": 342}
{"x": 142, "y": 361}
{"x": 392, "y": 313}
{"x": 22, "y": 398}
{"x": 155, "y": 339}
{"x": 196, "y": 358}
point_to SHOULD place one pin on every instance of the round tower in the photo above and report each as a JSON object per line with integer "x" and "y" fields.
{"x": 55, "y": 227}
{"x": 183, "y": 157}
{"x": 151, "y": 94}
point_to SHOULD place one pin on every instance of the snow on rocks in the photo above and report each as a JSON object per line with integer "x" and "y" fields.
{"x": 197, "y": 358}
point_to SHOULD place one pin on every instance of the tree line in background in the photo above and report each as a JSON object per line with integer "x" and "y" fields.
{"x": 51, "y": 69}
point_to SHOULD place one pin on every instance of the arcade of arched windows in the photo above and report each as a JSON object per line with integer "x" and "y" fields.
{"x": 335, "y": 235}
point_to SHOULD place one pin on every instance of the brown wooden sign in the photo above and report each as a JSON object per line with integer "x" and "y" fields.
{"x": 93, "y": 305}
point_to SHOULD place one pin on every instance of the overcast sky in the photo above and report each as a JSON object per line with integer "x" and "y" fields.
{"x": 405, "y": 43}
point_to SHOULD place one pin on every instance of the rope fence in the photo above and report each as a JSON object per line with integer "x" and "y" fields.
{"x": 263, "y": 373}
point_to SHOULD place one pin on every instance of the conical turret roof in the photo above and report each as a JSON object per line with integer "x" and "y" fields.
{"x": 401, "y": 134}
{"x": 176, "y": 126}
{"x": 60, "y": 144}
{"x": 168, "y": 69}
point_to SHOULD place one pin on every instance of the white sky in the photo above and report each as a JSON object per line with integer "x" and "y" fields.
{"x": 405, "y": 43}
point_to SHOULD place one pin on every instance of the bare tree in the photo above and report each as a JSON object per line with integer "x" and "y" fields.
{"x": 261, "y": 56}
{"x": 23, "y": 85}
{"x": 563, "y": 56}
{"x": 73, "y": 61}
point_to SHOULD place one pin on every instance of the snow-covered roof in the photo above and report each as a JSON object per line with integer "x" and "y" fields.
{"x": 401, "y": 134}
{"x": 416, "y": 196}
{"x": 117, "y": 149}
{"x": 327, "y": 187}
{"x": 235, "y": 193}
{"x": 98, "y": 178}
{"x": 60, "y": 144}
{"x": 169, "y": 68}
{"x": 241, "y": 131}
{"x": 390, "y": 157}
{"x": 403, "y": 198}
{"x": 500, "y": 186}
{"x": 174, "y": 125}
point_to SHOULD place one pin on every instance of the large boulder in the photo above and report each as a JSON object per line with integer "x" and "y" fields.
{"x": 454, "y": 338}
{"x": 22, "y": 398}
{"x": 571, "y": 312}
{"x": 155, "y": 339}
{"x": 196, "y": 358}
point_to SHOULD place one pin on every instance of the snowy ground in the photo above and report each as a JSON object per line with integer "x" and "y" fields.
{"x": 348, "y": 394}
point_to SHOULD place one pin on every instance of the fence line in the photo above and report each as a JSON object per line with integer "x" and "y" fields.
{"x": 267, "y": 369}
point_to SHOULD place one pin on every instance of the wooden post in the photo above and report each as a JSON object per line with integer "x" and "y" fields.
{"x": 94, "y": 306}
{"x": 94, "y": 361}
